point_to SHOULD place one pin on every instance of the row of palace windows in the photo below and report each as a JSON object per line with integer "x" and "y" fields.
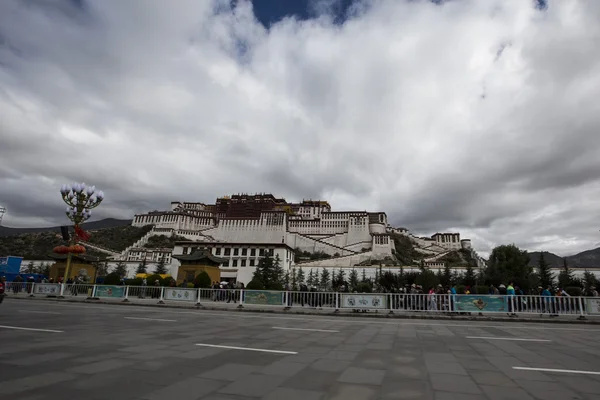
{"x": 236, "y": 251}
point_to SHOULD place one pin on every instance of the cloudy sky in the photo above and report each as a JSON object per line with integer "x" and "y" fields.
{"x": 481, "y": 117}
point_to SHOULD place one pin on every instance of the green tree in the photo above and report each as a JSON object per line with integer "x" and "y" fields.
{"x": 161, "y": 268}
{"x": 102, "y": 268}
{"x": 566, "y": 277}
{"x": 294, "y": 279}
{"x": 120, "y": 270}
{"x": 364, "y": 276}
{"x": 142, "y": 267}
{"x": 589, "y": 280}
{"x": 469, "y": 279}
{"x": 339, "y": 279}
{"x": 310, "y": 280}
{"x": 269, "y": 273}
{"x": 300, "y": 277}
{"x": 30, "y": 268}
{"x": 427, "y": 279}
{"x": 446, "y": 279}
{"x": 353, "y": 280}
{"x": 544, "y": 272}
{"x": 508, "y": 263}
{"x": 324, "y": 282}
{"x": 278, "y": 273}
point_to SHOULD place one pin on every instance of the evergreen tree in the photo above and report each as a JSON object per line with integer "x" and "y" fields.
{"x": 364, "y": 276}
{"x": 544, "y": 272}
{"x": 589, "y": 280}
{"x": 469, "y": 279}
{"x": 278, "y": 273}
{"x": 294, "y": 280}
{"x": 120, "y": 269}
{"x": 566, "y": 278}
{"x": 310, "y": 280}
{"x": 447, "y": 275}
{"x": 102, "y": 269}
{"x": 142, "y": 267}
{"x": 339, "y": 279}
{"x": 161, "y": 268}
{"x": 300, "y": 277}
{"x": 286, "y": 278}
{"x": 324, "y": 282}
{"x": 30, "y": 268}
{"x": 269, "y": 273}
{"x": 353, "y": 279}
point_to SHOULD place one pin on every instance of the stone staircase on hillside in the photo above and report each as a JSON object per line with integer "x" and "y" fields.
{"x": 333, "y": 246}
{"x": 101, "y": 249}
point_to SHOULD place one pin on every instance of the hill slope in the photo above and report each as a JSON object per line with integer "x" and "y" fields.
{"x": 585, "y": 259}
{"x": 39, "y": 245}
{"x": 88, "y": 226}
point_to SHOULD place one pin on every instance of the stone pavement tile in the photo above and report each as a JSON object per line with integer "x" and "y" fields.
{"x": 492, "y": 378}
{"x": 219, "y": 396}
{"x": 405, "y": 389}
{"x": 330, "y": 365}
{"x": 457, "y": 396}
{"x": 580, "y": 383}
{"x": 344, "y": 391}
{"x": 282, "y": 368}
{"x": 229, "y": 372}
{"x": 36, "y": 359}
{"x": 362, "y": 376}
{"x": 379, "y": 346}
{"x": 199, "y": 352}
{"x": 408, "y": 372}
{"x": 403, "y": 359}
{"x": 149, "y": 365}
{"x": 443, "y": 367}
{"x": 309, "y": 379}
{"x": 142, "y": 348}
{"x": 187, "y": 389}
{"x": 350, "y": 347}
{"x": 525, "y": 375}
{"x": 35, "y": 381}
{"x": 253, "y": 385}
{"x": 302, "y": 358}
{"x": 484, "y": 365}
{"x": 505, "y": 393}
{"x": 439, "y": 357}
{"x": 95, "y": 358}
{"x": 150, "y": 355}
{"x": 294, "y": 394}
{"x": 546, "y": 390}
{"x": 341, "y": 355}
{"x": 453, "y": 383}
{"x": 100, "y": 366}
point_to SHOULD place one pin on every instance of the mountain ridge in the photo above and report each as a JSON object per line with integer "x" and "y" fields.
{"x": 90, "y": 226}
{"x": 585, "y": 259}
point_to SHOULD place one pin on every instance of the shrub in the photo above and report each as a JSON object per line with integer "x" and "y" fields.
{"x": 202, "y": 280}
{"x": 152, "y": 278}
{"x": 112, "y": 279}
{"x": 574, "y": 291}
{"x": 481, "y": 289}
{"x": 255, "y": 284}
{"x": 364, "y": 287}
{"x": 133, "y": 282}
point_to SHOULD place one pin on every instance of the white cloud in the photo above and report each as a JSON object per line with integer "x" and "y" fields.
{"x": 479, "y": 116}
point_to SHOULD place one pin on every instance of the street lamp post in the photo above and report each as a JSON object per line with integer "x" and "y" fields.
{"x": 80, "y": 200}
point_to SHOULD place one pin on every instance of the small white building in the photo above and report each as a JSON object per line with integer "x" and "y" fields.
{"x": 241, "y": 258}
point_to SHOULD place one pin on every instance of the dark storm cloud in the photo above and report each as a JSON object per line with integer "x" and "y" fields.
{"x": 153, "y": 103}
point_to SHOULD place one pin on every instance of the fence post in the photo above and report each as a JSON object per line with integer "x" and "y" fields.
{"x": 241, "y": 299}
{"x": 162, "y": 292}
{"x": 62, "y": 291}
{"x": 31, "y": 289}
{"x": 581, "y": 312}
{"x": 198, "y": 297}
{"x": 450, "y": 303}
{"x": 391, "y": 302}
{"x": 337, "y": 302}
{"x": 126, "y": 299}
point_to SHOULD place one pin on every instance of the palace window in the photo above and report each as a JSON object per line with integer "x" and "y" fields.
{"x": 252, "y": 263}
{"x": 218, "y": 251}
{"x": 185, "y": 250}
{"x": 261, "y": 252}
{"x": 236, "y": 251}
{"x": 243, "y": 263}
{"x": 244, "y": 251}
{"x": 234, "y": 263}
{"x": 227, "y": 251}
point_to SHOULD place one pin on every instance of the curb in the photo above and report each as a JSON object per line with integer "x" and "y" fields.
{"x": 324, "y": 314}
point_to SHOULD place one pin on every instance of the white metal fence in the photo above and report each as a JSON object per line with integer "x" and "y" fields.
{"x": 337, "y": 301}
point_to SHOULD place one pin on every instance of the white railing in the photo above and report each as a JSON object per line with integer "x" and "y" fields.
{"x": 337, "y": 301}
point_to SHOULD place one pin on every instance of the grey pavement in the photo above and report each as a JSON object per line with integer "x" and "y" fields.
{"x": 104, "y": 351}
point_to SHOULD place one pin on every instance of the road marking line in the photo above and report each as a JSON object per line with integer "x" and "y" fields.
{"x": 304, "y": 329}
{"x": 39, "y": 312}
{"x": 20, "y": 328}
{"x": 566, "y": 371}
{"x": 507, "y": 338}
{"x": 246, "y": 348}
{"x": 151, "y": 319}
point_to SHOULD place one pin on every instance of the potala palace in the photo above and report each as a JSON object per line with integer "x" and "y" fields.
{"x": 242, "y": 228}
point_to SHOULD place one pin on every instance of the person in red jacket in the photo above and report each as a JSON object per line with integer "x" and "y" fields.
{"x": 2, "y": 288}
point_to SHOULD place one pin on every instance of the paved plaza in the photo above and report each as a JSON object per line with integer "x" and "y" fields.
{"x": 51, "y": 350}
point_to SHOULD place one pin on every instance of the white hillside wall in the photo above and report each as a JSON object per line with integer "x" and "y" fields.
{"x": 248, "y": 231}
{"x": 340, "y": 239}
{"x": 304, "y": 243}
{"x": 337, "y": 262}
